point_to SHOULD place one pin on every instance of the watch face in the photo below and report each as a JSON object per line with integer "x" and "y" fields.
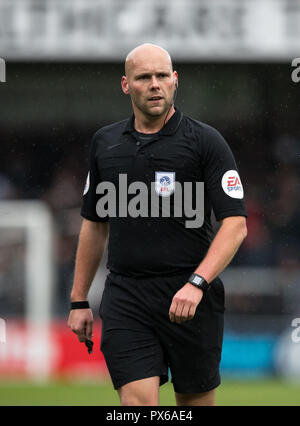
{"x": 197, "y": 280}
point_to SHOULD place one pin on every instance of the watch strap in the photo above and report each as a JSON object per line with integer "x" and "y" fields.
{"x": 198, "y": 281}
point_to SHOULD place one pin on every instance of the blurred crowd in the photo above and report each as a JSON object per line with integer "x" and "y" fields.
{"x": 273, "y": 205}
{"x": 272, "y": 197}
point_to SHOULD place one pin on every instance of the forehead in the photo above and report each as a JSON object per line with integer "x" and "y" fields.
{"x": 149, "y": 62}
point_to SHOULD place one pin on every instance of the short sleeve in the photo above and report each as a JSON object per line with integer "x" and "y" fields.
{"x": 221, "y": 177}
{"x": 90, "y": 198}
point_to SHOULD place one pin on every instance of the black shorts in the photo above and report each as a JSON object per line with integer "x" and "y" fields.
{"x": 139, "y": 340}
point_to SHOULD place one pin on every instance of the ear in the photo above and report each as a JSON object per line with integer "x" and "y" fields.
{"x": 124, "y": 85}
{"x": 175, "y": 75}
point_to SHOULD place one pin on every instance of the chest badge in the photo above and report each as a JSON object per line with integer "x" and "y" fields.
{"x": 164, "y": 183}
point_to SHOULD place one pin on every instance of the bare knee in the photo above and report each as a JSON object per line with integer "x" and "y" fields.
{"x": 196, "y": 399}
{"x": 140, "y": 392}
{"x": 134, "y": 400}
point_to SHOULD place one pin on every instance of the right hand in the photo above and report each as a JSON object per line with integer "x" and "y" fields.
{"x": 81, "y": 323}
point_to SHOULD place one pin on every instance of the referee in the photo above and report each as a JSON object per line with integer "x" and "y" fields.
{"x": 162, "y": 307}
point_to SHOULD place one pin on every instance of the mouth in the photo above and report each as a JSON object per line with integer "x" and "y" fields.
{"x": 155, "y": 98}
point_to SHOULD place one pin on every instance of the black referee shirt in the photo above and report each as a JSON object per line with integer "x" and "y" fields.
{"x": 185, "y": 150}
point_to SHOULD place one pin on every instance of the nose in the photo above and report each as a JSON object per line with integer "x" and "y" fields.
{"x": 154, "y": 83}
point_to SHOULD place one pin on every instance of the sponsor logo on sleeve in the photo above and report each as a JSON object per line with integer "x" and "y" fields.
{"x": 231, "y": 184}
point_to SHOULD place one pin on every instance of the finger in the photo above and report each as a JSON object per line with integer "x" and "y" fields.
{"x": 80, "y": 332}
{"x": 172, "y": 311}
{"x": 192, "y": 312}
{"x": 178, "y": 313}
{"x": 185, "y": 313}
{"x": 81, "y": 335}
{"x": 89, "y": 330}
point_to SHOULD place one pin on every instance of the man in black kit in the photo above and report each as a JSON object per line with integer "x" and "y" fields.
{"x": 163, "y": 303}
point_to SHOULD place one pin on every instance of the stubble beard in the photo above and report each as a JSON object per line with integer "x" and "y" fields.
{"x": 151, "y": 112}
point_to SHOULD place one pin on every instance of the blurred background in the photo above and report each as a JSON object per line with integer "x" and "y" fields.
{"x": 64, "y": 61}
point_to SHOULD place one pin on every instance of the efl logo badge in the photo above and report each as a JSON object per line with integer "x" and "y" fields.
{"x": 164, "y": 183}
{"x": 231, "y": 184}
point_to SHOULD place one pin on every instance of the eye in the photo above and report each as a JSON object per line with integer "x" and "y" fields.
{"x": 143, "y": 77}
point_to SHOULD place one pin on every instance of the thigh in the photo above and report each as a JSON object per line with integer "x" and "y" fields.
{"x": 193, "y": 348}
{"x": 131, "y": 348}
{"x": 132, "y": 355}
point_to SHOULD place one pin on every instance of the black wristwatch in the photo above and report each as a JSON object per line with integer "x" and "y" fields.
{"x": 199, "y": 282}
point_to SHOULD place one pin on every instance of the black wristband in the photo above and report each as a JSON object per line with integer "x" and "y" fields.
{"x": 80, "y": 305}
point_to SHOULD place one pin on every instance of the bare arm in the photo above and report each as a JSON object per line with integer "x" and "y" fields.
{"x": 226, "y": 243}
{"x": 91, "y": 246}
{"x": 228, "y": 239}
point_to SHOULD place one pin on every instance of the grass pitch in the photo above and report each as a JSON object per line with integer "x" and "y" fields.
{"x": 230, "y": 393}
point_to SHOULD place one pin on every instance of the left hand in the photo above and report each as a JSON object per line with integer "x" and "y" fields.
{"x": 184, "y": 303}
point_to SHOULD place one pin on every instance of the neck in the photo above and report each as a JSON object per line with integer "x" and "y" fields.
{"x": 145, "y": 124}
